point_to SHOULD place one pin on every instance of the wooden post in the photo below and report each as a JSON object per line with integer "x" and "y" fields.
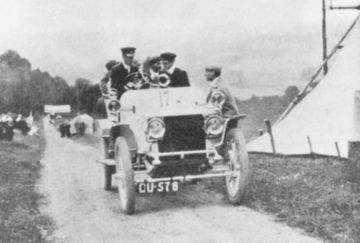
{"x": 354, "y": 143}
{"x": 337, "y": 149}
{"x": 310, "y": 145}
{"x": 261, "y": 132}
{"x": 269, "y": 130}
{"x": 324, "y": 36}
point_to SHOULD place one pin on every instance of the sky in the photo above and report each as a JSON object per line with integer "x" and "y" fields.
{"x": 254, "y": 40}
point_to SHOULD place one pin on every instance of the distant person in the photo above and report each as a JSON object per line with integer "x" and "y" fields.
{"x": 121, "y": 70}
{"x": 213, "y": 75}
{"x": 179, "y": 77}
{"x": 64, "y": 129}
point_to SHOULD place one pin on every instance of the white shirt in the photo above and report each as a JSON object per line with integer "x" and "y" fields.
{"x": 153, "y": 74}
{"x": 127, "y": 67}
{"x": 215, "y": 83}
{"x": 171, "y": 70}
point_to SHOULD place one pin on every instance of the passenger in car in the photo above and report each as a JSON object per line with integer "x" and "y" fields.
{"x": 103, "y": 85}
{"x": 104, "y": 81}
{"x": 178, "y": 77}
{"x": 213, "y": 75}
{"x": 152, "y": 67}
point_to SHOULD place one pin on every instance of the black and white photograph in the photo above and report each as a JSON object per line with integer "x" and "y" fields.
{"x": 154, "y": 121}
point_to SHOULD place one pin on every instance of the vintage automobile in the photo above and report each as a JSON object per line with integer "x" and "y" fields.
{"x": 165, "y": 136}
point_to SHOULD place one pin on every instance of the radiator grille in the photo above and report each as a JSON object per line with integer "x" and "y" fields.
{"x": 183, "y": 133}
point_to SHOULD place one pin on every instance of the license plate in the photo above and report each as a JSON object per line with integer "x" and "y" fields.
{"x": 160, "y": 186}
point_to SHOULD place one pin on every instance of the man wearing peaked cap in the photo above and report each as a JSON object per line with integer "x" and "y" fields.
{"x": 123, "y": 69}
{"x": 128, "y": 51}
{"x": 178, "y": 77}
{"x": 213, "y": 75}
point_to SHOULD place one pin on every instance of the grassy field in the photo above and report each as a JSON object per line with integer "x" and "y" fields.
{"x": 20, "y": 218}
{"x": 320, "y": 195}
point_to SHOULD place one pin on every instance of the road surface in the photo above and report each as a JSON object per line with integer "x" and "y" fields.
{"x": 84, "y": 212}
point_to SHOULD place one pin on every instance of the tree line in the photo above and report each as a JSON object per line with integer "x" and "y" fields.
{"x": 23, "y": 89}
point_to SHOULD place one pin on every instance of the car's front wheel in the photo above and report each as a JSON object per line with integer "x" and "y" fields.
{"x": 125, "y": 176}
{"x": 237, "y": 157}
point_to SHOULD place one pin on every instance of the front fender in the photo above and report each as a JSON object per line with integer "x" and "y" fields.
{"x": 103, "y": 127}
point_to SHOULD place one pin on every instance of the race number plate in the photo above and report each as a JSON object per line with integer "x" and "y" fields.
{"x": 160, "y": 186}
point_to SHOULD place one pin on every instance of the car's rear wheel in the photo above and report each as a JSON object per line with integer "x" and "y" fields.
{"x": 125, "y": 175}
{"x": 237, "y": 157}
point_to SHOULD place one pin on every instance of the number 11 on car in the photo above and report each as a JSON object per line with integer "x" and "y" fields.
{"x": 161, "y": 186}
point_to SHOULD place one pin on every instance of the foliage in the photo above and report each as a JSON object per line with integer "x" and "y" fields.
{"x": 310, "y": 193}
{"x": 23, "y": 90}
{"x": 20, "y": 218}
{"x": 260, "y": 108}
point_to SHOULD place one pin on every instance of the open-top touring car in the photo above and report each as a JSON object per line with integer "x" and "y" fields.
{"x": 163, "y": 136}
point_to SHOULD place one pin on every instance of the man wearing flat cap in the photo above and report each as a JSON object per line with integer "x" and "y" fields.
{"x": 103, "y": 85}
{"x": 179, "y": 77}
{"x": 213, "y": 75}
{"x": 103, "y": 82}
{"x": 121, "y": 70}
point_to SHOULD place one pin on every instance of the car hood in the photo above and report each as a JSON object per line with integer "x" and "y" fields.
{"x": 163, "y": 102}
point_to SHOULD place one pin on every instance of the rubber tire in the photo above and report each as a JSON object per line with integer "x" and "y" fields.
{"x": 125, "y": 173}
{"x": 108, "y": 170}
{"x": 237, "y": 198}
{"x": 107, "y": 177}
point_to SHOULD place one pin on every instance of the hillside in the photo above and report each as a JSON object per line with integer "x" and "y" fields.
{"x": 23, "y": 89}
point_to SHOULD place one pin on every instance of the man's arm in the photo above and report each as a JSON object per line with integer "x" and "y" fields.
{"x": 230, "y": 105}
{"x": 184, "y": 79}
{"x": 103, "y": 83}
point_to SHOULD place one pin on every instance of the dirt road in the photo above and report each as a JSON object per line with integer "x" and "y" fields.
{"x": 84, "y": 212}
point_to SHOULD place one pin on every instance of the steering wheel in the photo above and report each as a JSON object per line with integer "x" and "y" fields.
{"x": 136, "y": 80}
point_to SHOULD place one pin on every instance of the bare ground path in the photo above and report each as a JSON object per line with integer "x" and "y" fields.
{"x": 84, "y": 212}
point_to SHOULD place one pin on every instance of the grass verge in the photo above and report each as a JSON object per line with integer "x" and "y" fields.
{"x": 312, "y": 194}
{"x": 20, "y": 218}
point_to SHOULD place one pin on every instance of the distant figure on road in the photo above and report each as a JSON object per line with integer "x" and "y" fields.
{"x": 213, "y": 75}
{"x": 179, "y": 77}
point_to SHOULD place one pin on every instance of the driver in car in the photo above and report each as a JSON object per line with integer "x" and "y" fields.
{"x": 218, "y": 85}
{"x": 120, "y": 71}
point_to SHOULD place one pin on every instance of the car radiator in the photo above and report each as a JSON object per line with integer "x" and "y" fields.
{"x": 183, "y": 133}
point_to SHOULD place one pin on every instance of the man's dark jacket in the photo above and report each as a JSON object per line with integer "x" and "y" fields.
{"x": 118, "y": 75}
{"x": 179, "y": 78}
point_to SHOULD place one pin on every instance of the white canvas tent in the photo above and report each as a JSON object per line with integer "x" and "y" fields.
{"x": 324, "y": 119}
{"x": 86, "y": 119}
{"x": 57, "y": 109}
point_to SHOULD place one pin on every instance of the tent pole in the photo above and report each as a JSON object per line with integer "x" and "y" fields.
{"x": 324, "y": 37}
{"x": 269, "y": 130}
{"x": 299, "y": 97}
